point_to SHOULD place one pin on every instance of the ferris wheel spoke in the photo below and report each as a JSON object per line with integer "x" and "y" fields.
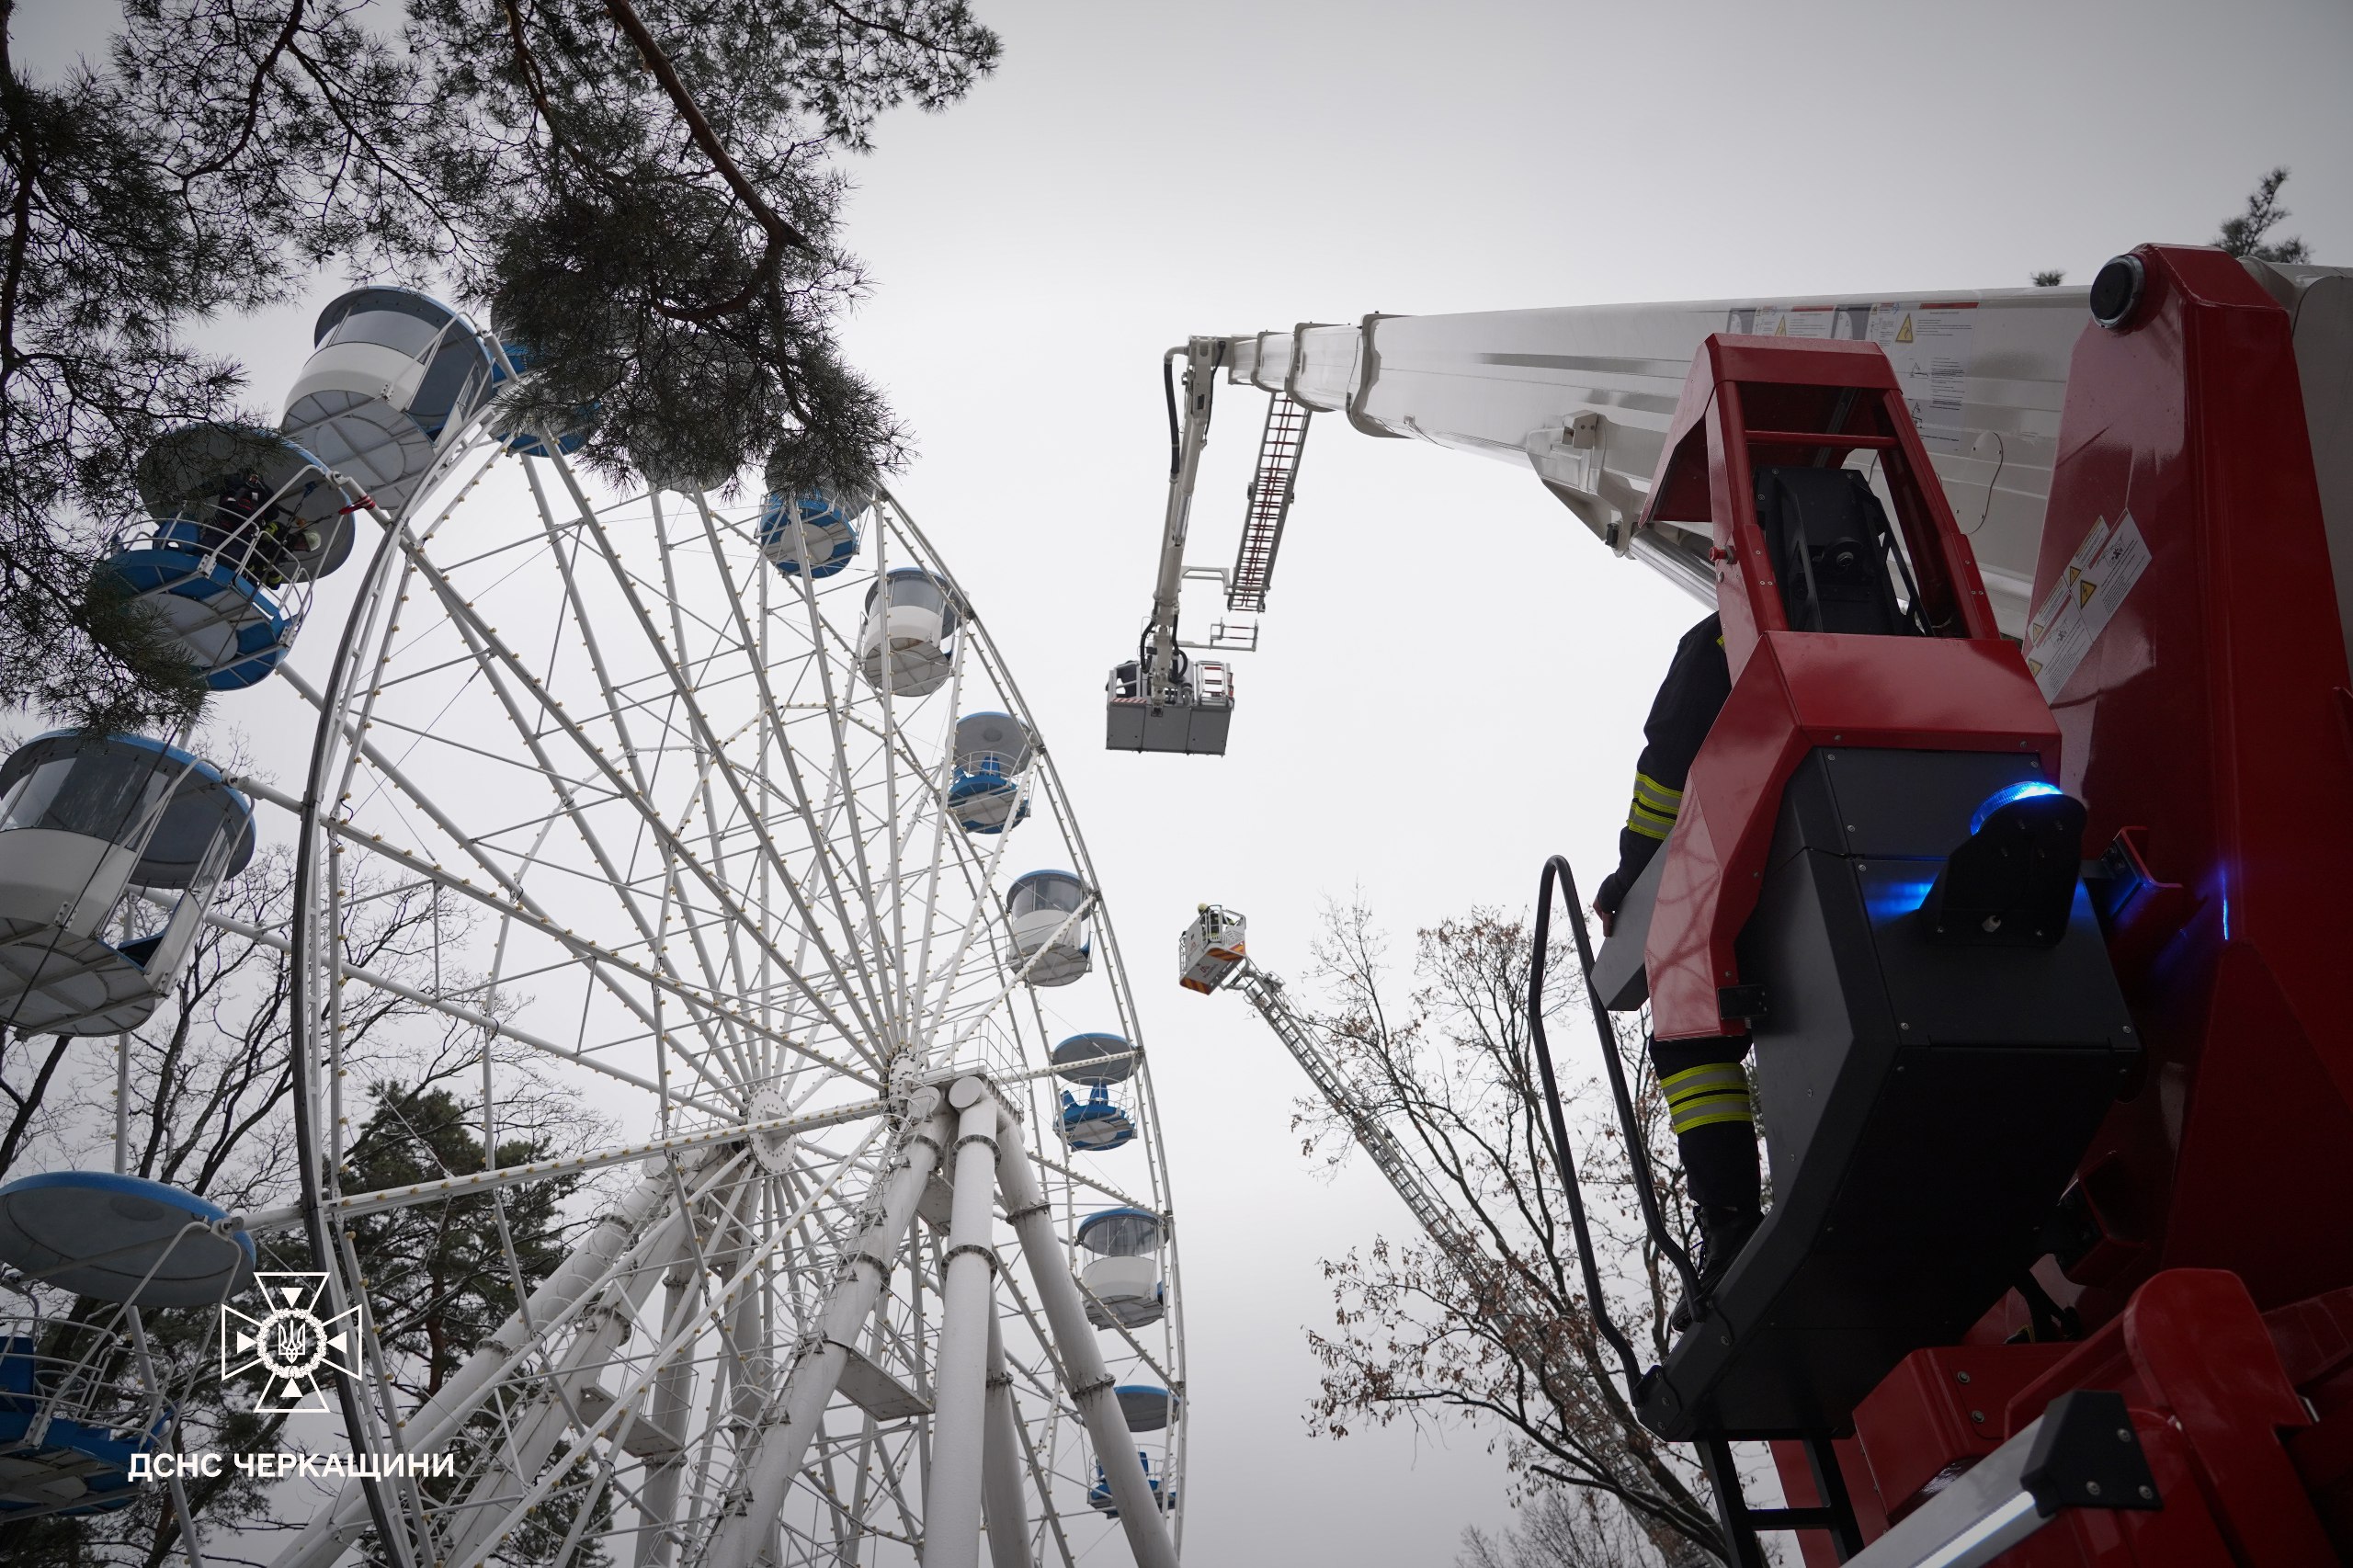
{"x": 706, "y": 1009}
{"x": 496, "y": 658}
{"x": 702, "y": 729}
{"x": 353, "y": 1205}
{"x": 1005, "y": 993}
{"x": 616, "y": 710}
{"x": 458, "y": 1012}
{"x": 837, "y": 791}
{"x": 935, "y": 1011}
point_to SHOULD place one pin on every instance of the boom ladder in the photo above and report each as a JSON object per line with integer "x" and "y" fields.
{"x": 1266, "y": 993}
{"x": 1271, "y": 489}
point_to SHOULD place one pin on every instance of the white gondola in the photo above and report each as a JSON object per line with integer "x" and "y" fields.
{"x": 991, "y": 753}
{"x": 394, "y": 372}
{"x": 1099, "y": 1496}
{"x": 245, "y": 521}
{"x": 915, "y": 613}
{"x": 1039, "y": 907}
{"x": 90, "y": 827}
{"x": 120, "y": 1238}
{"x": 1122, "y": 1281}
{"x": 73, "y": 1416}
{"x": 813, "y": 530}
{"x": 1212, "y": 947}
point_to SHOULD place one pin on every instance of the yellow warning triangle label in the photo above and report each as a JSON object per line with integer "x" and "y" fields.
{"x": 2034, "y": 667}
{"x": 2084, "y": 592}
{"x": 1904, "y": 333}
{"x": 1783, "y": 329}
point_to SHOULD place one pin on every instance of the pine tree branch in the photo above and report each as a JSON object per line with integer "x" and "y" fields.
{"x": 779, "y": 232}
{"x": 284, "y": 41}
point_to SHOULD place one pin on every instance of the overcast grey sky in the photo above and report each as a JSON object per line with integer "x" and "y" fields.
{"x": 1452, "y": 676}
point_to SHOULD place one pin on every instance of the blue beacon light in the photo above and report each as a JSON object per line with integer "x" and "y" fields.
{"x": 2000, "y": 798}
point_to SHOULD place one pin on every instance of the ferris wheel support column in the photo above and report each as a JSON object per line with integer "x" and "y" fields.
{"x": 784, "y": 1442}
{"x": 331, "y": 1527}
{"x": 671, "y": 1409}
{"x": 532, "y": 1436}
{"x": 1089, "y": 1381}
{"x": 1007, "y": 1511}
{"x": 952, "y": 1509}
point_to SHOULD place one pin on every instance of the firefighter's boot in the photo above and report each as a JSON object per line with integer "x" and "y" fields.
{"x": 1723, "y": 1230}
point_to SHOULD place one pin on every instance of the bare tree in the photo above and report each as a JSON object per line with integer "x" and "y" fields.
{"x": 1559, "y": 1529}
{"x": 210, "y": 1083}
{"x": 1507, "y": 1341}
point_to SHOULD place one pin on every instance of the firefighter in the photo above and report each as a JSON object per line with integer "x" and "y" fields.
{"x": 232, "y": 513}
{"x": 1706, "y": 1087}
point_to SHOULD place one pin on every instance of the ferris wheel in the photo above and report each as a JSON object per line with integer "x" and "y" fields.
{"x": 750, "y": 848}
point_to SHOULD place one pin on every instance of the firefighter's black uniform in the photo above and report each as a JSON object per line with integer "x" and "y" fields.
{"x": 1706, "y": 1089}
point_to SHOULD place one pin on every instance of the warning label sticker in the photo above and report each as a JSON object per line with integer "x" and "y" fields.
{"x": 2080, "y": 605}
{"x": 1794, "y": 321}
{"x": 1929, "y": 343}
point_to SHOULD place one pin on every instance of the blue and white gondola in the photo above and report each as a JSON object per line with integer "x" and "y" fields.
{"x": 1099, "y": 1496}
{"x": 1094, "y": 1058}
{"x": 121, "y": 1238}
{"x": 70, "y": 1421}
{"x": 813, "y": 531}
{"x": 1123, "y": 1281}
{"x": 1094, "y": 1125}
{"x": 394, "y": 374}
{"x": 915, "y": 614}
{"x": 75, "y": 1407}
{"x": 1055, "y": 947}
{"x": 245, "y": 521}
{"x": 991, "y": 751}
{"x": 92, "y": 828}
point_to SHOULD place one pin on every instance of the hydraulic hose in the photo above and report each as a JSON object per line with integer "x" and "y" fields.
{"x": 1169, "y": 389}
{"x": 1637, "y": 1151}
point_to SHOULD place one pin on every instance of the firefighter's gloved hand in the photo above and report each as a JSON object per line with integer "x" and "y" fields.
{"x": 1610, "y": 895}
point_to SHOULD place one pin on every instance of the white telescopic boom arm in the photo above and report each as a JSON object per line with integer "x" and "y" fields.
{"x": 1202, "y": 357}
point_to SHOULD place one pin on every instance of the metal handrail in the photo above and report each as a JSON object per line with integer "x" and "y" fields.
{"x": 1637, "y": 1149}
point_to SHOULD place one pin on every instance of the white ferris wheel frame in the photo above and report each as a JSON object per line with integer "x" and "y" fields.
{"x": 703, "y": 1141}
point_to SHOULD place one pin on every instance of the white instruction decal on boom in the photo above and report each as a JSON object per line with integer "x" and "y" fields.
{"x": 1929, "y": 343}
{"x": 2066, "y": 624}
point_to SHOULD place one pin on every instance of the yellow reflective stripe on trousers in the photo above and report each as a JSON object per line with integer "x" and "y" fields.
{"x": 1711, "y": 1077}
{"x": 1709, "y": 1109}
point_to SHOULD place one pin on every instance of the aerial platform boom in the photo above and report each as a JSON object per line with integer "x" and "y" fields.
{"x": 1581, "y": 396}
